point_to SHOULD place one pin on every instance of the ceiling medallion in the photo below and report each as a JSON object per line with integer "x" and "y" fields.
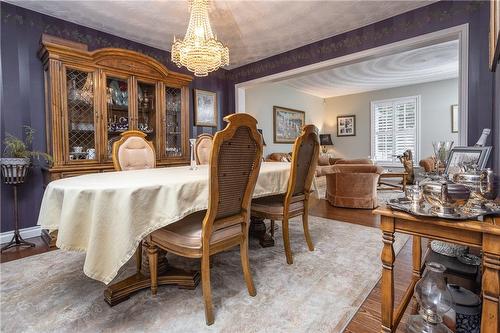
{"x": 199, "y": 51}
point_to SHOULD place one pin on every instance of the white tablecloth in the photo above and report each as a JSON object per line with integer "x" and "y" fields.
{"x": 107, "y": 214}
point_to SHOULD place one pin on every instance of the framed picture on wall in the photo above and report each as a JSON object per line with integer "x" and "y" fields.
{"x": 454, "y": 118}
{"x": 346, "y": 125}
{"x": 205, "y": 108}
{"x": 287, "y": 124}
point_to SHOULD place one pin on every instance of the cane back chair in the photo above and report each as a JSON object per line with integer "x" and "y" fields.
{"x": 295, "y": 201}
{"x": 234, "y": 167}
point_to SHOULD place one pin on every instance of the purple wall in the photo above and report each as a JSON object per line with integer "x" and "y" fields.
{"x": 23, "y": 91}
{"x": 22, "y": 84}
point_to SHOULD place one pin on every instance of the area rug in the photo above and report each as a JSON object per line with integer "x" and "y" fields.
{"x": 383, "y": 196}
{"x": 320, "y": 292}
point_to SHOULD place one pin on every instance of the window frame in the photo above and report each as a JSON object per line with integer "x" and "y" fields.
{"x": 393, "y": 101}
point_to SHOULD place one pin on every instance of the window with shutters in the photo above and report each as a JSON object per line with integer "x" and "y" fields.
{"x": 394, "y": 129}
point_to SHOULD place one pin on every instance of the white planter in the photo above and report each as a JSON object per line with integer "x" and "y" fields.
{"x": 14, "y": 167}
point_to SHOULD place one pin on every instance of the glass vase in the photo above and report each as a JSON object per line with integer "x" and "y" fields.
{"x": 434, "y": 300}
{"x": 441, "y": 152}
{"x": 193, "y": 160}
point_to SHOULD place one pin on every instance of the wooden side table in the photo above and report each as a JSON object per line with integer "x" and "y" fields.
{"x": 485, "y": 235}
{"x": 392, "y": 186}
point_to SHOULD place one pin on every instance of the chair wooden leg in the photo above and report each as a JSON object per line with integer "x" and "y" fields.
{"x": 286, "y": 242}
{"x": 245, "y": 264}
{"x": 305, "y": 223}
{"x": 207, "y": 293}
{"x": 272, "y": 229}
{"x": 153, "y": 267}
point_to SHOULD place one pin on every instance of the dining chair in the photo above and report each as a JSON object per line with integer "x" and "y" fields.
{"x": 295, "y": 201}
{"x": 133, "y": 152}
{"x": 203, "y": 147}
{"x": 234, "y": 167}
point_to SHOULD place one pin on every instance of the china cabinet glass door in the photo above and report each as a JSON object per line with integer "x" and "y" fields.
{"x": 174, "y": 126}
{"x": 117, "y": 107}
{"x": 146, "y": 107}
{"x": 81, "y": 115}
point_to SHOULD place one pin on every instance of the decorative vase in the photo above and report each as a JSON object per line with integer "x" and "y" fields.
{"x": 434, "y": 299}
{"x": 441, "y": 152}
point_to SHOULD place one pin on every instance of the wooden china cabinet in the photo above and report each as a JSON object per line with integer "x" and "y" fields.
{"x": 94, "y": 96}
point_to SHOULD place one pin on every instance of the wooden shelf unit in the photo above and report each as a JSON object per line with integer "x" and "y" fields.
{"x": 80, "y": 98}
{"x": 60, "y": 56}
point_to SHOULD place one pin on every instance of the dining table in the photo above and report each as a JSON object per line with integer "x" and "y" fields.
{"x": 107, "y": 216}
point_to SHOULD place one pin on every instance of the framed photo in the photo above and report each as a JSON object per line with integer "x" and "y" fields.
{"x": 454, "y": 118}
{"x": 287, "y": 124}
{"x": 205, "y": 108}
{"x": 346, "y": 125}
{"x": 460, "y": 156}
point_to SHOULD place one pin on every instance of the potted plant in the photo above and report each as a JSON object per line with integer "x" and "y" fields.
{"x": 17, "y": 152}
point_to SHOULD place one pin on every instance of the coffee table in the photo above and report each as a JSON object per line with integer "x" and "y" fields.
{"x": 390, "y": 185}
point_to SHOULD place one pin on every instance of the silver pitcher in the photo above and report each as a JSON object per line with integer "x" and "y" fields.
{"x": 481, "y": 184}
{"x": 445, "y": 197}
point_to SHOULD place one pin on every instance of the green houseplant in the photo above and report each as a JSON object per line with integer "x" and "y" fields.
{"x": 17, "y": 151}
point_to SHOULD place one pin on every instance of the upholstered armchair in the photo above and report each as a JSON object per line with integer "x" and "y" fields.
{"x": 279, "y": 157}
{"x": 203, "y": 148}
{"x": 353, "y": 185}
{"x": 133, "y": 152}
{"x": 429, "y": 164}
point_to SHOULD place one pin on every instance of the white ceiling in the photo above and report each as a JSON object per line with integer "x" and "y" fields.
{"x": 253, "y": 30}
{"x": 426, "y": 64}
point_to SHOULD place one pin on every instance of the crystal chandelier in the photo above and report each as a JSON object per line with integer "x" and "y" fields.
{"x": 199, "y": 51}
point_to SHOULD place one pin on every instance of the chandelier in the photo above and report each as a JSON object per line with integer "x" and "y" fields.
{"x": 199, "y": 51}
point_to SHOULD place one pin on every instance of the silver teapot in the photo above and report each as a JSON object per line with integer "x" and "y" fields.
{"x": 481, "y": 184}
{"x": 445, "y": 197}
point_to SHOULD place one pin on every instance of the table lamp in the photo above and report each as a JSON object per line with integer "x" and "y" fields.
{"x": 325, "y": 140}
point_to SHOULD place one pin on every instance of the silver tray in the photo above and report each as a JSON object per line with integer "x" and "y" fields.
{"x": 425, "y": 209}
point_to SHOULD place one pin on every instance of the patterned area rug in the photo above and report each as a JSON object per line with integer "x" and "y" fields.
{"x": 383, "y": 196}
{"x": 320, "y": 292}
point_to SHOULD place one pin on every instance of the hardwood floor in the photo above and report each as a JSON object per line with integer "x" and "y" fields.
{"x": 22, "y": 252}
{"x": 367, "y": 319}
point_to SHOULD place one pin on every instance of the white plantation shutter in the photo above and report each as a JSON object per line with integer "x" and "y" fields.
{"x": 394, "y": 129}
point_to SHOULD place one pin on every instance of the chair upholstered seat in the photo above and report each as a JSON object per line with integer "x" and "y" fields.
{"x": 273, "y": 205}
{"x": 186, "y": 234}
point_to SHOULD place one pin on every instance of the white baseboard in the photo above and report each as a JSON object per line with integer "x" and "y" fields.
{"x": 26, "y": 233}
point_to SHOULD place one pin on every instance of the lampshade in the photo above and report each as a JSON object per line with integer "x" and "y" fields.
{"x": 325, "y": 139}
{"x": 263, "y": 141}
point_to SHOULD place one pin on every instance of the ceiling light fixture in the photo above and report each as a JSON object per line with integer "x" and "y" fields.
{"x": 199, "y": 51}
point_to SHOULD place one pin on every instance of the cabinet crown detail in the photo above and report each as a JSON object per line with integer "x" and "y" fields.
{"x": 94, "y": 96}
